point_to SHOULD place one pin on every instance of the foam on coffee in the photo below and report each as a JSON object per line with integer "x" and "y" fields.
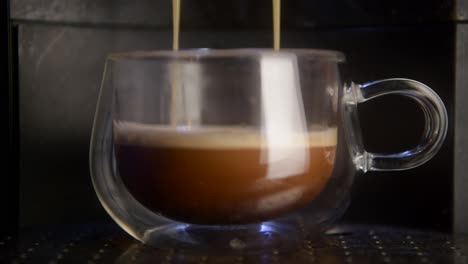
{"x": 219, "y": 175}
{"x": 212, "y": 137}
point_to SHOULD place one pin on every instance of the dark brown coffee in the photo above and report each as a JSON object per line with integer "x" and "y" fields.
{"x": 221, "y": 175}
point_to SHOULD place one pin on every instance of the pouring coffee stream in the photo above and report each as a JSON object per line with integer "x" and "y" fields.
{"x": 176, "y": 69}
{"x": 176, "y": 24}
{"x": 276, "y": 24}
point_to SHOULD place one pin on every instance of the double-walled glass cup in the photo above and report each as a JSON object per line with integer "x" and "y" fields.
{"x": 238, "y": 149}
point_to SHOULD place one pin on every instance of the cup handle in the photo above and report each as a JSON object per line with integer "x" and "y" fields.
{"x": 435, "y": 129}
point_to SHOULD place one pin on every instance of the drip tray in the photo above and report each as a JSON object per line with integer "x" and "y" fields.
{"x": 343, "y": 244}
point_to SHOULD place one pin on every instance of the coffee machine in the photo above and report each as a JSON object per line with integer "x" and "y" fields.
{"x": 55, "y": 60}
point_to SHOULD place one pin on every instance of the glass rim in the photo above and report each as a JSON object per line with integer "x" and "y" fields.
{"x": 322, "y": 54}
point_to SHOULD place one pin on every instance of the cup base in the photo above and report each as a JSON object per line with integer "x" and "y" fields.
{"x": 266, "y": 236}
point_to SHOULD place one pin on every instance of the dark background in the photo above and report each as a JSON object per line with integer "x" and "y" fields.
{"x": 58, "y": 49}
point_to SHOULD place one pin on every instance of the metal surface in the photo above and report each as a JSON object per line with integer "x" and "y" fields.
{"x": 461, "y": 130}
{"x": 343, "y": 244}
{"x": 9, "y": 177}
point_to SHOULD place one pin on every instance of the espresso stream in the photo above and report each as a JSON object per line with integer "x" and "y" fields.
{"x": 176, "y": 24}
{"x": 221, "y": 175}
{"x": 276, "y": 24}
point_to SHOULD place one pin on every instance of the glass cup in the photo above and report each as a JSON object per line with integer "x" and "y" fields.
{"x": 238, "y": 150}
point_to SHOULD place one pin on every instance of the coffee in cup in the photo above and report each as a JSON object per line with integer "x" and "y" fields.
{"x": 221, "y": 175}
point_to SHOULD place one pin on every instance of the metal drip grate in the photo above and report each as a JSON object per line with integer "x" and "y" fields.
{"x": 344, "y": 244}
